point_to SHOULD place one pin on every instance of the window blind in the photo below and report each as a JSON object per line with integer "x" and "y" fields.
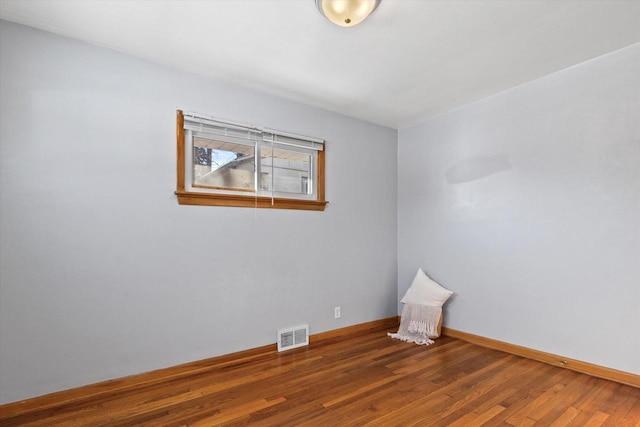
{"x": 225, "y": 129}
{"x": 286, "y": 138}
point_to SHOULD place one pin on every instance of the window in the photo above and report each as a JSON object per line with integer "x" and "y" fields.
{"x": 221, "y": 163}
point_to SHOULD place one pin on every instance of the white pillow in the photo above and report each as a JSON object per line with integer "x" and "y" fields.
{"x": 425, "y": 291}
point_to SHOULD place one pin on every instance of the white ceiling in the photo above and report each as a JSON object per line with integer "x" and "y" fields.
{"x": 412, "y": 59}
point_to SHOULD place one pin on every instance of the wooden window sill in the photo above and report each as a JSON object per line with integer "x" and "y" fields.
{"x": 208, "y": 199}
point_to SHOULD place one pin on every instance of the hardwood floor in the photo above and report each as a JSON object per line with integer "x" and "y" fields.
{"x": 368, "y": 379}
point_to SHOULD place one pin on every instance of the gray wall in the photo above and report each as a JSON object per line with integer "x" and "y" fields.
{"x": 103, "y": 274}
{"x": 527, "y": 205}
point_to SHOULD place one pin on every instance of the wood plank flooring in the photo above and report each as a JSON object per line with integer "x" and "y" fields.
{"x": 368, "y": 379}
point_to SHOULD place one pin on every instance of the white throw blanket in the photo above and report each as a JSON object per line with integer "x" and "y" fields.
{"x": 418, "y": 324}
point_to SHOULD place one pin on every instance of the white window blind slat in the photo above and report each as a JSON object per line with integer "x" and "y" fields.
{"x": 218, "y": 127}
{"x": 225, "y": 131}
{"x": 286, "y": 138}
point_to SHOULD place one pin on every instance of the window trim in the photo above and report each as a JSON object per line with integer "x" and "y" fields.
{"x": 237, "y": 200}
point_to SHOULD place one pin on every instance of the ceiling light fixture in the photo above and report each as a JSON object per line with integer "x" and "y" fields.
{"x": 346, "y": 13}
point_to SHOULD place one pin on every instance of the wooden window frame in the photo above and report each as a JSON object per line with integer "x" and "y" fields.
{"x": 237, "y": 200}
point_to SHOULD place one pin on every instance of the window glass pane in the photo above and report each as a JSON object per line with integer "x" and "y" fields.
{"x": 223, "y": 165}
{"x": 285, "y": 171}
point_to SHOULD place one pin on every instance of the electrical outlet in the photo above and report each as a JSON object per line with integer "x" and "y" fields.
{"x": 336, "y": 313}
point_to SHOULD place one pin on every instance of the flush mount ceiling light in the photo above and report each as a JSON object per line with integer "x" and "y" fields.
{"x": 346, "y": 13}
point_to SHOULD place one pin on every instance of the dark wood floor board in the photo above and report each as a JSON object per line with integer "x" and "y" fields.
{"x": 521, "y": 395}
{"x": 295, "y": 383}
{"x": 558, "y": 402}
{"x": 534, "y": 376}
{"x": 491, "y": 401}
{"x": 632, "y": 416}
{"x": 155, "y": 401}
{"x": 576, "y": 396}
{"x": 406, "y": 354}
{"x": 336, "y": 379}
{"x": 371, "y": 406}
{"x": 449, "y": 371}
{"x": 368, "y": 403}
{"x": 367, "y": 379}
{"x": 601, "y": 393}
{"x": 586, "y": 419}
{"x": 454, "y": 356}
{"x": 537, "y": 405}
{"x": 469, "y": 393}
{"x": 330, "y": 403}
{"x": 477, "y": 418}
{"x": 572, "y": 387}
{"x": 623, "y": 403}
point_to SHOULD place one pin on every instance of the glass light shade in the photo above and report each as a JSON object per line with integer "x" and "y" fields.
{"x": 346, "y": 13}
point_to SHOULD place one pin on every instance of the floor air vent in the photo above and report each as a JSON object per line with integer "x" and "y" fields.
{"x": 293, "y": 337}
